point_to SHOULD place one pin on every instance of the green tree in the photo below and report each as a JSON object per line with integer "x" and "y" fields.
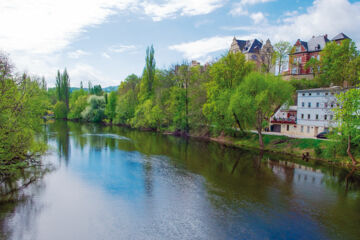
{"x": 97, "y": 90}
{"x": 282, "y": 50}
{"x": 339, "y": 63}
{"x": 128, "y": 92}
{"x": 110, "y": 109}
{"x": 95, "y": 111}
{"x": 77, "y": 107}
{"x": 60, "y": 110}
{"x": 314, "y": 65}
{"x": 347, "y": 115}
{"x": 22, "y": 104}
{"x": 225, "y": 76}
{"x": 257, "y": 97}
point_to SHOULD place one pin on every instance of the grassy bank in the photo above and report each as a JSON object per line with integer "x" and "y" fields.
{"x": 285, "y": 145}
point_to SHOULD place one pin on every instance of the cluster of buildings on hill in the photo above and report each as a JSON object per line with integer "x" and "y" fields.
{"x": 313, "y": 113}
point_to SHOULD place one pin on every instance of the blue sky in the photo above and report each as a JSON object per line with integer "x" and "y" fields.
{"x": 103, "y": 41}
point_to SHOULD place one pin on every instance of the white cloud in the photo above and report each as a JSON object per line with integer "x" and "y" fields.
{"x": 85, "y": 73}
{"x": 172, "y": 8}
{"x": 77, "y": 54}
{"x": 257, "y": 17}
{"x": 201, "y": 49}
{"x": 240, "y": 8}
{"x": 121, "y": 48}
{"x": 105, "y": 55}
{"x": 325, "y": 16}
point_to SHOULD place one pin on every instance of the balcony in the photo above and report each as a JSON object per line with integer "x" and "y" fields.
{"x": 291, "y": 120}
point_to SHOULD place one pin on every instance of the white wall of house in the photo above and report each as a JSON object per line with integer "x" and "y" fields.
{"x": 315, "y": 110}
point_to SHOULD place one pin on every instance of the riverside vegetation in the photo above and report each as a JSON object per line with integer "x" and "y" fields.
{"x": 222, "y": 100}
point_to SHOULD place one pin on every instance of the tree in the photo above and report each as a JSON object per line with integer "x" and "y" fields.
{"x": 347, "y": 115}
{"x": 150, "y": 66}
{"x": 257, "y": 97}
{"x": 97, "y": 90}
{"x": 339, "y": 63}
{"x": 282, "y": 50}
{"x": 22, "y": 104}
{"x": 110, "y": 109}
{"x": 314, "y": 65}
{"x": 225, "y": 76}
{"x": 128, "y": 92}
{"x": 65, "y": 81}
{"x": 60, "y": 110}
{"x": 95, "y": 111}
{"x": 267, "y": 57}
{"x": 78, "y": 107}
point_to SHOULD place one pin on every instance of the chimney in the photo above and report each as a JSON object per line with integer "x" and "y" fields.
{"x": 326, "y": 36}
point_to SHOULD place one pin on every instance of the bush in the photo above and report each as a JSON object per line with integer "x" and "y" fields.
{"x": 60, "y": 110}
{"x": 95, "y": 112}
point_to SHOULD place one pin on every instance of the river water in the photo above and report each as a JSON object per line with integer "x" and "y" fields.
{"x": 115, "y": 183}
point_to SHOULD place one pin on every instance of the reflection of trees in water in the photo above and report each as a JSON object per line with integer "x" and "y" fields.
{"x": 62, "y": 131}
{"x": 16, "y": 197}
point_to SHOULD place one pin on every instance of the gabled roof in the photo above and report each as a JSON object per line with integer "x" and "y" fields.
{"x": 305, "y": 44}
{"x": 241, "y": 44}
{"x": 340, "y": 36}
{"x": 317, "y": 43}
{"x": 252, "y": 46}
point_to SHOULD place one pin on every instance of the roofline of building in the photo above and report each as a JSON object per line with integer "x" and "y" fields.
{"x": 335, "y": 88}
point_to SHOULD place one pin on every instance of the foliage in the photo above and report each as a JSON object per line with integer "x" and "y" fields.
{"x": 95, "y": 111}
{"x": 282, "y": 49}
{"x": 60, "y": 110}
{"x": 225, "y": 76}
{"x": 257, "y": 97}
{"x": 78, "y": 107}
{"x": 110, "y": 109}
{"x": 63, "y": 87}
{"x": 22, "y": 104}
{"x": 347, "y": 115}
{"x": 339, "y": 63}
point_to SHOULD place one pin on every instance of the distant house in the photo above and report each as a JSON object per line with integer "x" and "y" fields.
{"x": 254, "y": 50}
{"x": 304, "y": 51}
{"x": 313, "y": 114}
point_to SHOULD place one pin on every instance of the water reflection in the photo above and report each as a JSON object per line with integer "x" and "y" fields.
{"x": 121, "y": 183}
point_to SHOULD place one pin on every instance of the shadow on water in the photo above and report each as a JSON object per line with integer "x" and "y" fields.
{"x": 274, "y": 195}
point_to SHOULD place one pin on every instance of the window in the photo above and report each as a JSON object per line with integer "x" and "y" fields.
{"x": 308, "y": 116}
{"x": 287, "y": 127}
{"x": 309, "y": 104}
{"x": 332, "y": 105}
{"x": 317, "y": 116}
{"x": 302, "y": 116}
{"x": 317, "y": 104}
{"x": 318, "y": 93}
{"x": 326, "y": 94}
{"x": 298, "y": 48}
{"x": 308, "y": 129}
{"x": 331, "y": 117}
{"x": 303, "y": 94}
{"x": 303, "y": 104}
{"x": 309, "y": 94}
{"x": 325, "y": 117}
{"x": 325, "y": 105}
{"x": 302, "y": 128}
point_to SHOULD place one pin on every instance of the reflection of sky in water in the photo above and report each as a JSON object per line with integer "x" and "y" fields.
{"x": 123, "y": 193}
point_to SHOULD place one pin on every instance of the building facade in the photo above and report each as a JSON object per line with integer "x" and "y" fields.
{"x": 254, "y": 50}
{"x": 304, "y": 51}
{"x": 314, "y": 113}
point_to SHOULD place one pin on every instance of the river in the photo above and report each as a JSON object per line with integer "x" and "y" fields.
{"x": 108, "y": 182}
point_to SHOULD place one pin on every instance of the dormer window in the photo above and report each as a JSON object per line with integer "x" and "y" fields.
{"x": 298, "y": 48}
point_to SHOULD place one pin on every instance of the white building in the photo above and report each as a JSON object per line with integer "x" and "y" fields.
{"x": 315, "y": 110}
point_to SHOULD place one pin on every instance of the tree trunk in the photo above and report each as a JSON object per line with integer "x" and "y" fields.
{"x": 353, "y": 160}
{"x": 261, "y": 142}
{"x": 238, "y": 123}
{"x": 259, "y": 120}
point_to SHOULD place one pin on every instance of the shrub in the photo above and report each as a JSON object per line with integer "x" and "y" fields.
{"x": 60, "y": 110}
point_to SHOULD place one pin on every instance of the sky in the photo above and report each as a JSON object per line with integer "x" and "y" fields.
{"x": 103, "y": 41}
